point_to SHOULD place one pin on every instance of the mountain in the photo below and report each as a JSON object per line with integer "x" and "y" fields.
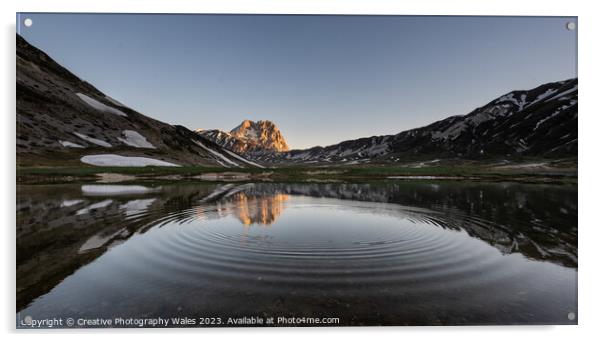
{"x": 250, "y": 138}
{"x": 263, "y": 133}
{"x": 541, "y": 122}
{"x": 63, "y": 120}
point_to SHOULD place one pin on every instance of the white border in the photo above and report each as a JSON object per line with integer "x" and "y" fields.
{"x": 590, "y": 166}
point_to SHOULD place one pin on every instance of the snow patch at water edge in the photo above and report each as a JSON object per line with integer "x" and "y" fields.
{"x": 95, "y": 189}
{"x": 117, "y": 160}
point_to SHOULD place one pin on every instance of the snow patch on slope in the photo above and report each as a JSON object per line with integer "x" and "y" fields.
{"x": 558, "y": 111}
{"x": 66, "y": 143}
{"x": 474, "y": 120}
{"x": 377, "y": 150}
{"x": 566, "y": 92}
{"x": 542, "y": 96}
{"x": 117, "y": 160}
{"x": 510, "y": 98}
{"x": 243, "y": 159}
{"x": 69, "y": 203}
{"x": 452, "y": 132}
{"x": 135, "y": 139}
{"x": 523, "y": 101}
{"x": 251, "y": 134}
{"x": 99, "y": 105}
{"x": 217, "y": 154}
{"x": 92, "y": 140}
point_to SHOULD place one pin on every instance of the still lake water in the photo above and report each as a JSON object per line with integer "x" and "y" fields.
{"x": 390, "y": 253}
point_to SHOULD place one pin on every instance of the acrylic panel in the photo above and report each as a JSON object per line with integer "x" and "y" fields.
{"x": 295, "y": 170}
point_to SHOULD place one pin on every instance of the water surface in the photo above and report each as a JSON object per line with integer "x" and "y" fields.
{"x": 394, "y": 253}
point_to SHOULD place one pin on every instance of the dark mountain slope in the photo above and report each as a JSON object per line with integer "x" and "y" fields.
{"x": 541, "y": 122}
{"x": 61, "y": 119}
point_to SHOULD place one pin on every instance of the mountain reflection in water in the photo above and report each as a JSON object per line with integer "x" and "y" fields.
{"x": 387, "y": 235}
{"x": 249, "y": 209}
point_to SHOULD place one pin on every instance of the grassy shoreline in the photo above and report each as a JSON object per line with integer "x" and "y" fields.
{"x": 29, "y": 175}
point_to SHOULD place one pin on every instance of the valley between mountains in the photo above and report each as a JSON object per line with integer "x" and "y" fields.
{"x": 68, "y": 128}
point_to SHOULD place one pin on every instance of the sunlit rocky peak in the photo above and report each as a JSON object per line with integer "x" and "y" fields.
{"x": 264, "y": 134}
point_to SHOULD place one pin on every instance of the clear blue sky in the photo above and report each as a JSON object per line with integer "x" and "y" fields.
{"x": 321, "y": 79}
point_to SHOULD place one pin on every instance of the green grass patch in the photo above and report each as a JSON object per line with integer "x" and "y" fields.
{"x": 343, "y": 173}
